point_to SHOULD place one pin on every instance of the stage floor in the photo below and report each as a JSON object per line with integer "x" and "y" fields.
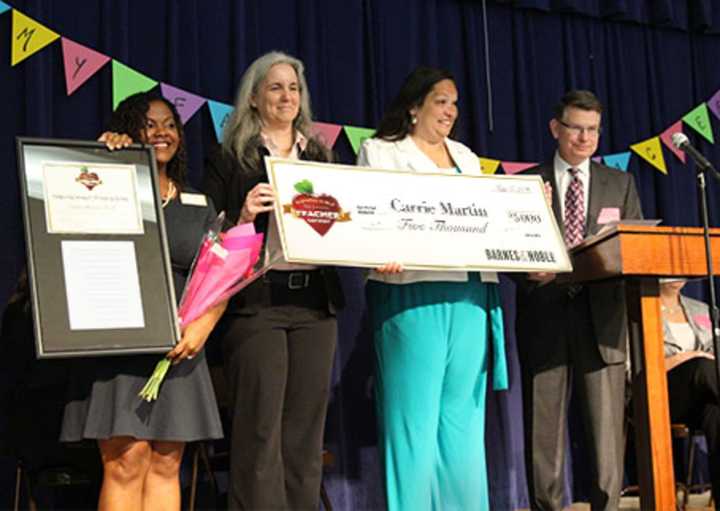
{"x": 697, "y": 502}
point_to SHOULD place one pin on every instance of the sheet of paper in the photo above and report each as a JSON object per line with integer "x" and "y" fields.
{"x": 102, "y": 285}
{"x": 91, "y": 198}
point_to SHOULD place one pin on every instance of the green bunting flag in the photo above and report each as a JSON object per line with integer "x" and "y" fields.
{"x": 357, "y": 136}
{"x": 699, "y": 120}
{"x": 126, "y": 82}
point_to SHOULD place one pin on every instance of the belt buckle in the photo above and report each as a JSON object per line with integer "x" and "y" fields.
{"x": 297, "y": 280}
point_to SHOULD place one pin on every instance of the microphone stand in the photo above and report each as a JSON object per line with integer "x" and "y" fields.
{"x": 702, "y": 170}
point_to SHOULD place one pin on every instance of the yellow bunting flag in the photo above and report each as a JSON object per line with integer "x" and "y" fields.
{"x": 651, "y": 151}
{"x": 28, "y": 36}
{"x": 488, "y": 165}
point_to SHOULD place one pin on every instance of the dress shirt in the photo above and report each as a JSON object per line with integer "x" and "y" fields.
{"x": 273, "y": 250}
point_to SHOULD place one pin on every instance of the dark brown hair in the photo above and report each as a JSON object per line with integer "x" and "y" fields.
{"x": 582, "y": 99}
{"x": 396, "y": 122}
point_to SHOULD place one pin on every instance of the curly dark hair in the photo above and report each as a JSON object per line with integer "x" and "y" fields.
{"x": 397, "y": 122}
{"x": 130, "y": 117}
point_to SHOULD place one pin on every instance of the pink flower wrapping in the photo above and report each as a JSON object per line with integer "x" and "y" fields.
{"x": 220, "y": 270}
{"x": 222, "y": 267}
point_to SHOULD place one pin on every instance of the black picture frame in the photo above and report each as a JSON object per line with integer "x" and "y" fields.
{"x": 53, "y": 336}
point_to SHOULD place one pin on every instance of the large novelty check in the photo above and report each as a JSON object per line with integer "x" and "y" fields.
{"x": 357, "y": 216}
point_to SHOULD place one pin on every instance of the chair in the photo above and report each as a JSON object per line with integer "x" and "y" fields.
{"x": 681, "y": 431}
{"x": 81, "y": 461}
{"x": 328, "y": 461}
{"x": 208, "y": 453}
{"x": 685, "y": 487}
{"x": 201, "y": 455}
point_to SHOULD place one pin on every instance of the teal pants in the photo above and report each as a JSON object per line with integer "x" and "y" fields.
{"x": 431, "y": 341}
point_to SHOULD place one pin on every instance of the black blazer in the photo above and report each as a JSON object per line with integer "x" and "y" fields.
{"x": 227, "y": 183}
{"x": 541, "y": 310}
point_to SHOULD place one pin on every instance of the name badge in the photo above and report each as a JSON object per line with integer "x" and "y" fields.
{"x": 193, "y": 199}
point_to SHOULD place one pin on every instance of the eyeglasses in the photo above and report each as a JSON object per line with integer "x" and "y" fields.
{"x": 591, "y": 131}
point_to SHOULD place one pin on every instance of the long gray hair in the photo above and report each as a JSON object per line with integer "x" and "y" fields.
{"x": 240, "y": 136}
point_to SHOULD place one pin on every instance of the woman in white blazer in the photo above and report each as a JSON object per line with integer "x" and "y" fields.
{"x": 431, "y": 328}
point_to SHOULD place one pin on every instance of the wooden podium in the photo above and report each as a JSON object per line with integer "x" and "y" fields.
{"x": 641, "y": 254}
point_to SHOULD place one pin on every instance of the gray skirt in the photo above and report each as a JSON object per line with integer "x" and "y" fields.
{"x": 103, "y": 401}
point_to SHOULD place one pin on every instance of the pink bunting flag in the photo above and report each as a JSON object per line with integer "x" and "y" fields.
{"x": 186, "y": 102}
{"x": 80, "y": 62}
{"x": 327, "y": 133}
{"x": 666, "y": 138}
{"x": 597, "y": 159}
{"x": 513, "y": 167}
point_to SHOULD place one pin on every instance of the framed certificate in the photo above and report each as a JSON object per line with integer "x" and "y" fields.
{"x": 357, "y": 216}
{"x": 97, "y": 254}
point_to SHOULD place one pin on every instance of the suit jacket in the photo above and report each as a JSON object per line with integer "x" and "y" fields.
{"x": 541, "y": 310}
{"x": 227, "y": 183}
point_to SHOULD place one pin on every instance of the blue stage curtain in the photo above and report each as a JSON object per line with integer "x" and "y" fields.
{"x": 650, "y": 61}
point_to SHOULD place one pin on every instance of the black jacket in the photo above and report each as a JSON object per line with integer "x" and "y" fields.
{"x": 227, "y": 183}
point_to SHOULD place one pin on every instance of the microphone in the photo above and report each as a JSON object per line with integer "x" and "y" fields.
{"x": 681, "y": 141}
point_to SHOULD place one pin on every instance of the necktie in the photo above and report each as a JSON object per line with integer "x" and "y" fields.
{"x": 574, "y": 221}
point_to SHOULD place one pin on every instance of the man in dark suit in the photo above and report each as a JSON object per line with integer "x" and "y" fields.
{"x": 572, "y": 339}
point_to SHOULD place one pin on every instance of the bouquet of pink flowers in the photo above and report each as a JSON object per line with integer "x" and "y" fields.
{"x": 224, "y": 264}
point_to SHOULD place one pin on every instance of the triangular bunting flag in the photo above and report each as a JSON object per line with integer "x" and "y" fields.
{"x": 488, "y": 165}
{"x": 357, "y": 136}
{"x": 220, "y": 113}
{"x": 4, "y": 7}
{"x": 666, "y": 137}
{"x": 28, "y": 36}
{"x": 185, "y": 102}
{"x": 699, "y": 120}
{"x": 513, "y": 167}
{"x": 651, "y": 151}
{"x": 714, "y": 104}
{"x": 326, "y": 133}
{"x": 81, "y": 63}
{"x": 618, "y": 161}
{"x": 127, "y": 81}
{"x": 597, "y": 159}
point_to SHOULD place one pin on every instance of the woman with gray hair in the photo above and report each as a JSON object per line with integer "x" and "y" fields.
{"x": 279, "y": 334}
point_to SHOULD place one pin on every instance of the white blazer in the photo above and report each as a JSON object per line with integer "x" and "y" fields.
{"x": 405, "y": 155}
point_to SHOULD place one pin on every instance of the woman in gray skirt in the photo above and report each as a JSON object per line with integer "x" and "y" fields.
{"x": 141, "y": 444}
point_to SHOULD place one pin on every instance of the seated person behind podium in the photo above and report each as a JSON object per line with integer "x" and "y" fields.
{"x": 692, "y": 379}
{"x": 141, "y": 444}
